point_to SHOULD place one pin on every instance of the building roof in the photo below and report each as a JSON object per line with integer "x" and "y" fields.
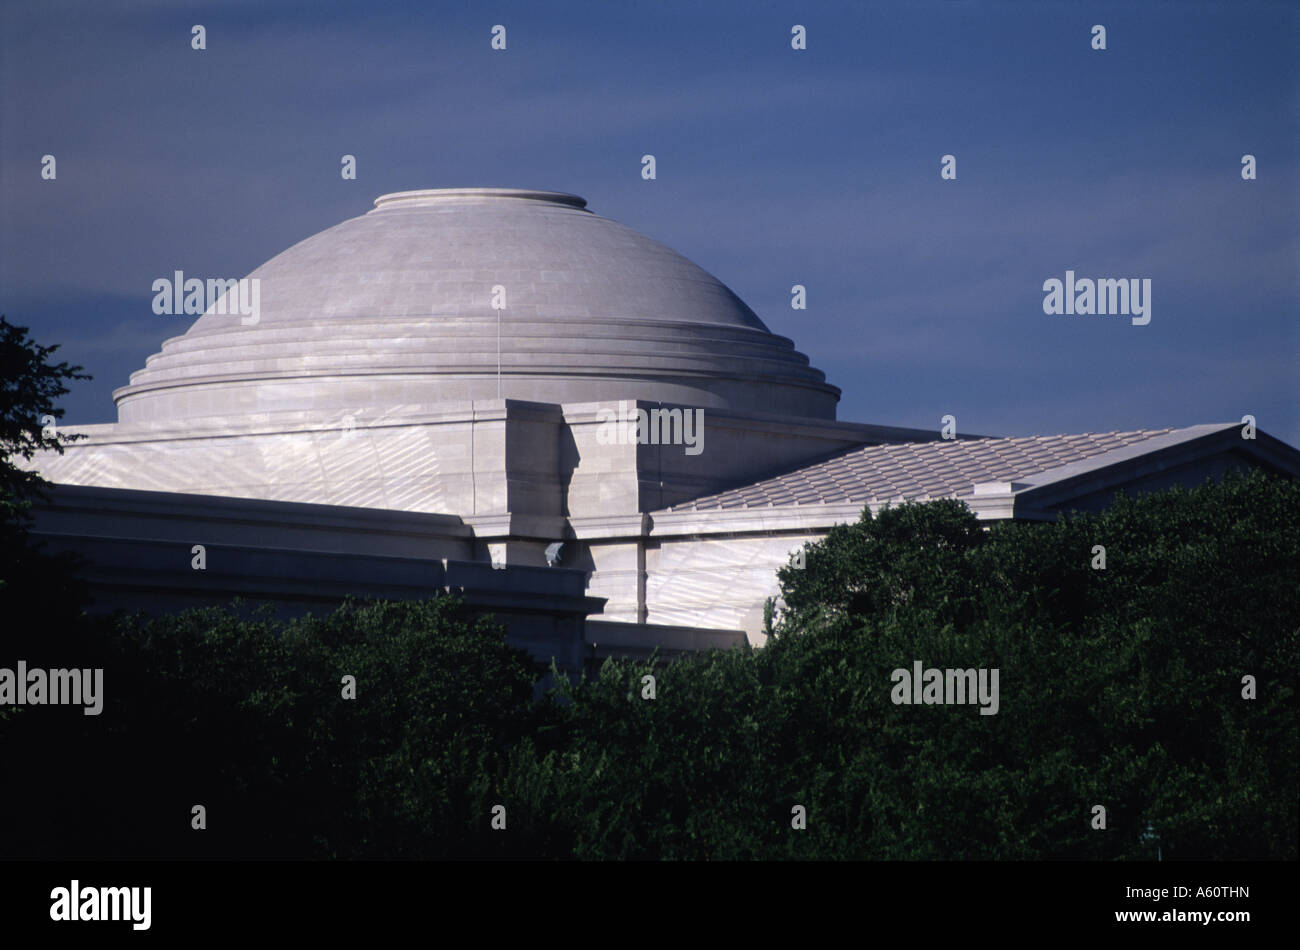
{"x": 397, "y": 307}
{"x": 919, "y": 471}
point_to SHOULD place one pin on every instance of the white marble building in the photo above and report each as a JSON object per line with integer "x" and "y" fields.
{"x": 440, "y": 373}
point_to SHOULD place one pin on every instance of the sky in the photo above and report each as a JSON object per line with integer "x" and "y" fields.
{"x": 774, "y": 166}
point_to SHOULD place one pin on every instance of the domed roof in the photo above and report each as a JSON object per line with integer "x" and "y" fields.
{"x": 394, "y": 310}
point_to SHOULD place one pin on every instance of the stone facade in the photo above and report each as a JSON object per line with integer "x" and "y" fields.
{"x": 366, "y": 393}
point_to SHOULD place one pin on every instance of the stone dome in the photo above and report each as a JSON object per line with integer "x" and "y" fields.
{"x": 393, "y": 310}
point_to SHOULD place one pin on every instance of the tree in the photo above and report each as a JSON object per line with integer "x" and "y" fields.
{"x": 248, "y": 716}
{"x": 1121, "y": 687}
{"x": 29, "y": 386}
{"x": 31, "y": 582}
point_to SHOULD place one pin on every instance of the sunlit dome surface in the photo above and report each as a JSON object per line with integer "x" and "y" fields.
{"x": 393, "y": 311}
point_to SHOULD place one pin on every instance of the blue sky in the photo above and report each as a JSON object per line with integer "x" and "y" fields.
{"x": 775, "y": 167}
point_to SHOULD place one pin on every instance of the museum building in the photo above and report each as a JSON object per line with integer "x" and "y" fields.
{"x": 498, "y": 392}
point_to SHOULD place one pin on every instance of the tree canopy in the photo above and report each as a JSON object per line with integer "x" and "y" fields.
{"x": 29, "y": 386}
{"x": 1120, "y": 687}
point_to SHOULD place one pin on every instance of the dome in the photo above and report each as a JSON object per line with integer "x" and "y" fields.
{"x": 394, "y": 310}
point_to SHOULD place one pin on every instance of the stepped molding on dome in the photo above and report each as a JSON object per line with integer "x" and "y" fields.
{"x": 396, "y": 307}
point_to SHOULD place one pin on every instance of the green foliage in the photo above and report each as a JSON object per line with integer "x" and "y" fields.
{"x": 246, "y": 716}
{"x": 619, "y": 775}
{"x": 1119, "y": 687}
{"x": 912, "y": 559}
{"x": 29, "y": 386}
